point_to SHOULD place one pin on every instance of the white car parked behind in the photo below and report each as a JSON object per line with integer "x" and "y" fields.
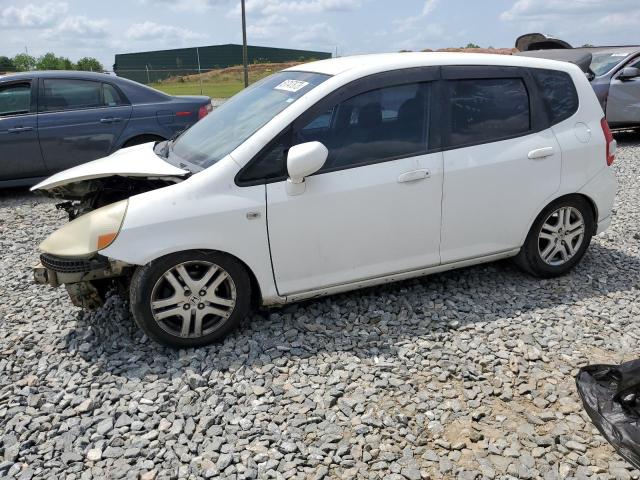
{"x": 336, "y": 175}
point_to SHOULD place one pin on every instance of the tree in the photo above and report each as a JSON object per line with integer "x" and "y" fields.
{"x": 89, "y": 64}
{"x": 49, "y": 61}
{"x": 472, "y": 45}
{"x": 24, "y": 62}
{"x": 6, "y": 64}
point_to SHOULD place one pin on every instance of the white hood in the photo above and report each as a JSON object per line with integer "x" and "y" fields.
{"x": 138, "y": 161}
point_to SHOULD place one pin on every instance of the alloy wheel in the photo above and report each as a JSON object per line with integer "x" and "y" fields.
{"x": 192, "y": 299}
{"x": 561, "y": 236}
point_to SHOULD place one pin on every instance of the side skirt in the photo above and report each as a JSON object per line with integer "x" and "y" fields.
{"x": 345, "y": 287}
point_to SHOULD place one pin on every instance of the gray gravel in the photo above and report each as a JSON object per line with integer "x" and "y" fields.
{"x": 467, "y": 374}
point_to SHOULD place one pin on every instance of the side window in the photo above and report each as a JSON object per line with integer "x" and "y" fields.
{"x": 15, "y": 99}
{"x": 487, "y": 110}
{"x": 375, "y": 126}
{"x": 111, "y": 96}
{"x": 63, "y": 94}
{"x": 558, "y": 92}
{"x": 270, "y": 163}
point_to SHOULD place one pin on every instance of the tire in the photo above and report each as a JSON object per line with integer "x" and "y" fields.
{"x": 142, "y": 139}
{"x": 537, "y": 255}
{"x": 174, "y": 317}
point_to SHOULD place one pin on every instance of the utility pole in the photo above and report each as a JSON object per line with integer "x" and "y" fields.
{"x": 245, "y": 57}
{"x": 199, "y": 69}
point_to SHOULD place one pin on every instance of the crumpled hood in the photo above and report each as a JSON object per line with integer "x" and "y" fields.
{"x": 138, "y": 161}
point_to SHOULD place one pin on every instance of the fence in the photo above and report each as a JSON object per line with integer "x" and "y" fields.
{"x": 152, "y": 67}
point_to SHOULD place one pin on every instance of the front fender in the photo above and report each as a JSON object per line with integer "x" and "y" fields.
{"x": 200, "y": 213}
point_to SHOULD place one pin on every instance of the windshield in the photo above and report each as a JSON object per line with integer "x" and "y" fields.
{"x": 228, "y": 126}
{"x": 604, "y": 62}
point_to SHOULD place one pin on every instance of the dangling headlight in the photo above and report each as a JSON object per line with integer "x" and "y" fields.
{"x": 88, "y": 233}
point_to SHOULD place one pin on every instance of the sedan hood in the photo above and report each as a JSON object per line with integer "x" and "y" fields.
{"x": 139, "y": 161}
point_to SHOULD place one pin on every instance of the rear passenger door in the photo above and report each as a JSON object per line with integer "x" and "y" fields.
{"x": 20, "y": 155}
{"x": 502, "y": 162}
{"x": 79, "y": 120}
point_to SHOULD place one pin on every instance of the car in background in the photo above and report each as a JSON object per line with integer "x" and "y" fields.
{"x": 51, "y": 121}
{"x": 614, "y": 73}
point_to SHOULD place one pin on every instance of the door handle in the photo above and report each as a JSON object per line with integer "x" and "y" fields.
{"x": 110, "y": 120}
{"x": 20, "y": 129}
{"x": 414, "y": 176}
{"x": 540, "y": 153}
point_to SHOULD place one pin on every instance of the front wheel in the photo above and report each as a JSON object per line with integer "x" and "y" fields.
{"x": 190, "y": 299}
{"x": 558, "y": 238}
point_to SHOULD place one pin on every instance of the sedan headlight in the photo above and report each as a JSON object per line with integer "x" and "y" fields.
{"x": 88, "y": 233}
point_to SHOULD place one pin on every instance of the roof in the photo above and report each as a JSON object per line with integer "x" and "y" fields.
{"x": 393, "y": 61}
{"x": 614, "y": 49}
{"x": 58, "y": 74}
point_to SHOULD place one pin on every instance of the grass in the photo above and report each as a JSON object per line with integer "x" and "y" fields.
{"x": 217, "y": 83}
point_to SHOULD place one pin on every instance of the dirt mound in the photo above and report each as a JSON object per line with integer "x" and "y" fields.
{"x": 497, "y": 51}
{"x": 254, "y": 69}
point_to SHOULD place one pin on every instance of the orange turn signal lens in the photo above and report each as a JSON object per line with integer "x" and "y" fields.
{"x": 105, "y": 240}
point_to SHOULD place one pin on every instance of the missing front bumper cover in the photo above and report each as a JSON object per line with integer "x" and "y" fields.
{"x": 86, "y": 280}
{"x": 85, "y": 295}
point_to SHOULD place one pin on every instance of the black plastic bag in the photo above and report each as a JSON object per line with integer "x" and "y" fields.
{"x": 611, "y": 396}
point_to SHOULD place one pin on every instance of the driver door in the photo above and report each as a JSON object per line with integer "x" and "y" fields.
{"x": 374, "y": 208}
{"x": 623, "y": 101}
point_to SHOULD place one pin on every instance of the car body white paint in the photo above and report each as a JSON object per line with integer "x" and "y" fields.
{"x": 344, "y": 232}
{"x": 138, "y": 161}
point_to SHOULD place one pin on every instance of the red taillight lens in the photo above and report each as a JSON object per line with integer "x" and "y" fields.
{"x": 204, "y": 110}
{"x": 611, "y": 143}
{"x": 183, "y": 114}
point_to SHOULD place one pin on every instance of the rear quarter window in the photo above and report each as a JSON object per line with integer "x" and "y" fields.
{"x": 558, "y": 93}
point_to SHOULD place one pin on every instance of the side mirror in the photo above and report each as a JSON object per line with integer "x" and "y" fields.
{"x": 304, "y": 160}
{"x": 629, "y": 72}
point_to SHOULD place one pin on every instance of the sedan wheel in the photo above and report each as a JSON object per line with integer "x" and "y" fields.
{"x": 191, "y": 298}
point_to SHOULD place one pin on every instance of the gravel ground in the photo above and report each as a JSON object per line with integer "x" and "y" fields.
{"x": 468, "y": 374}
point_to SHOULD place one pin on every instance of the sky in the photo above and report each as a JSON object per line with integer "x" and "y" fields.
{"x": 78, "y": 28}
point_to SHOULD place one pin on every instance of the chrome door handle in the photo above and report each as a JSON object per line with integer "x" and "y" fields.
{"x": 414, "y": 175}
{"x": 20, "y": 129}
{"x": 540, "y": 153}
{"x": 110, "y": 120}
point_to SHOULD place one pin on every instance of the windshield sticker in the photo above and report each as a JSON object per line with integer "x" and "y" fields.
{"x": 291, "y": 85}
{"x": 620, "y": 55}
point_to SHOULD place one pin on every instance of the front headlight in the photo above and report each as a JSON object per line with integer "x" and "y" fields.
{"x": 87, "y": 234}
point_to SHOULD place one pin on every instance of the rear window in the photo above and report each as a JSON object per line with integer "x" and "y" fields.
{"x": 558, "y": 92}
{"x": 487, "y": 110}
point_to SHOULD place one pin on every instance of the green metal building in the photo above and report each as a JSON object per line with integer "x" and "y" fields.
{"x": 149, "y": 67}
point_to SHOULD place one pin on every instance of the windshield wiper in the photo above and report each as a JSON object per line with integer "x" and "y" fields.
{"x": 167, "y": 145}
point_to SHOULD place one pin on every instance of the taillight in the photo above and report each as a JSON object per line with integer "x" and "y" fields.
{"x": 204, "y": 110}
{"x": 612, "y": 145}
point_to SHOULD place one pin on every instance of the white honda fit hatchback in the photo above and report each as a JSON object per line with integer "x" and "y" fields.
{"x": 336, "y": 175}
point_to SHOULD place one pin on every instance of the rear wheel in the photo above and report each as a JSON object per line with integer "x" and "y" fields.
{"x": 558, "y": 239}
{"x": 191, "y": 298}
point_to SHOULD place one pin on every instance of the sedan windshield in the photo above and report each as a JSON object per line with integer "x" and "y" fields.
{"x": 228, "y": 126}
{"x": 604, "y": 62}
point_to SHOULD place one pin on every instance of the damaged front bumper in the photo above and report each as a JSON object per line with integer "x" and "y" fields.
{"x": 84, "y": 278}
